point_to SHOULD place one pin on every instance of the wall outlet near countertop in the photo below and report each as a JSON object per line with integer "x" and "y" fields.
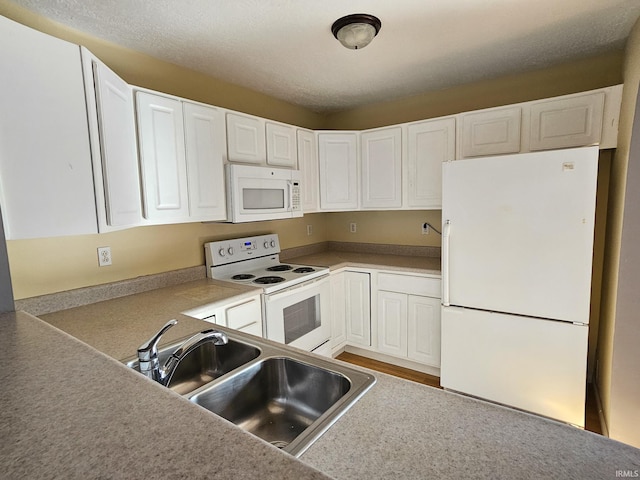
{"x": 425, "y": 229}
{"x": 104, "y": 256}
{"x": 352, "y": 227}
{"x": 309, "y": 230}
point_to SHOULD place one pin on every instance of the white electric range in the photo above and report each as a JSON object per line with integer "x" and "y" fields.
{"x": 295, "y": 298}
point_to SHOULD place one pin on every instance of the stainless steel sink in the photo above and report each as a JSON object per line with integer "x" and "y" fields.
{"x": 204, "y": 364}
{"x": 282, "y": 395}
{"x": 276, "y": 399}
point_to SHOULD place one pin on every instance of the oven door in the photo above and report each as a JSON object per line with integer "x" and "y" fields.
{"x": 299, "y": 316}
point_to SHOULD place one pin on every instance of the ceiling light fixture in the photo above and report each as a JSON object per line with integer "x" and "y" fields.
{"x": 356, "y": 31}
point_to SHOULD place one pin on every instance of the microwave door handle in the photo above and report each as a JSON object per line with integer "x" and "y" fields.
{"x": 290, "y": 196}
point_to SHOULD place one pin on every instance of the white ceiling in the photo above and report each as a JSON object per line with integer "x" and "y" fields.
{"x": 285, "y": 48}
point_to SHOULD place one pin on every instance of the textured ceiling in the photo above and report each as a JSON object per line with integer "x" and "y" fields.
{"x": 284, "y": 48}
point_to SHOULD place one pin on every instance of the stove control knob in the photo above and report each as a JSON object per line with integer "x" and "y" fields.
{"x": 266, "y": 244}
{"x": 230, "y": 250}
{"x": 221, "y": 252}
{"x": 273, "y": 244}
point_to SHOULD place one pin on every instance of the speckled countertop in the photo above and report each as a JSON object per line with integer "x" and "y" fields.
{"x": 403, "y": 263}
{"x": 73, "y": 412}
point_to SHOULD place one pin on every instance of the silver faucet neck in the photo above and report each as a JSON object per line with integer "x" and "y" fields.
{"x": 210, "y": 335}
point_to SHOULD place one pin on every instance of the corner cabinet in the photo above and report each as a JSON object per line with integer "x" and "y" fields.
{"x": 181, "y": 159}
{"x": 338, "y": 170}
{"x": 46, "y": 178}
{"x": 381, "y": 178}
{"x": 111, "y": 115}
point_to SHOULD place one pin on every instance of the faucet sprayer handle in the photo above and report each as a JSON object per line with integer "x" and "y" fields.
{"x": 149, "y": 350}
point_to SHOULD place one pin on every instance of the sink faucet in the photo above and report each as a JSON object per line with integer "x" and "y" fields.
{"x": 148, "y": 352}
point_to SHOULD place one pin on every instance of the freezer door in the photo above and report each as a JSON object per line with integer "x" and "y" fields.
{"x": 531, "y": 364}
{"x": 520, "y": 229}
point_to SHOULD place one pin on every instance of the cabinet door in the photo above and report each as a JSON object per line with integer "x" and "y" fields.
{"x": 338, "y": 309}
{"x": 337, "y": 157}
{"x": 308, "y": 164}
{"x": 424, "y": 330}
{"x": 204, "y": 141}
{"x": 114, "y": 149}
{"x": 382, "y": 168}
{"x": 491, "y": 132}
{"x": 392, "y": 323}
{"x": 246, "y": 317}
{"x": 245, "y": 139}
{"x": 45, "y": 159}
{"x": 162, "y": 158}
{"x": 567, "y": 122}
{"x": 358, "y": 308}
{"x": 281, "y": 146}
{"x": 429, "y": 144}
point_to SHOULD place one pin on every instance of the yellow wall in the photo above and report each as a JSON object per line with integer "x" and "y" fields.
{"x": 135, "y": 252}
{"x": 145, "y": 71}
{"x": 631, "y": 75}
{"x": 588, "y": 74}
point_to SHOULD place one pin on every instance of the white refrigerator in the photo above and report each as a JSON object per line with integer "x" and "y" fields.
{"x": 516, "y": 279}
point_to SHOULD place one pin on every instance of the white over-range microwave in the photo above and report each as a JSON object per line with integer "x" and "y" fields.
{"x": 262, "y": 193}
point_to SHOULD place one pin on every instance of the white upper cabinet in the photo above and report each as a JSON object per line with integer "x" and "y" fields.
{"x": 490, "y": 132}
{"x": 570, "y": 121}
{"x": 338, "y": 170}
{"x": 381, "y": 168}
{"x": 429, "y": 144}
{"x": 205, "y": 143}
{"x": 308, "y": 165}
{"x": 281, "y": 145}
{"x": 162, "y": 158}
{"x": 46, "y": 179}
{"x": 246, "y": 139}
{"x": 181, "y": 148}
{"x": 113, "y": 146}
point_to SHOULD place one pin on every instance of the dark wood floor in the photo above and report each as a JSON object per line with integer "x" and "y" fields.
{"x": 592, "y": 420}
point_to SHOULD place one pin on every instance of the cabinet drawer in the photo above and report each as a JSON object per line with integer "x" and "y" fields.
{"x": 412, "y": 285}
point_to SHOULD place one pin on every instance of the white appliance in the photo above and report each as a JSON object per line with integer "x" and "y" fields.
{"x": 516, "y": 275}
{"x": 262, "y": 193}
{"x": 295, "y": 298}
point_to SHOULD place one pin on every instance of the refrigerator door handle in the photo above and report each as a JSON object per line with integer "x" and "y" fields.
{"x": 446, "y": 231}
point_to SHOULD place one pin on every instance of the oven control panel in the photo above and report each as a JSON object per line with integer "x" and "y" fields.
{"x": 223, "y": 252}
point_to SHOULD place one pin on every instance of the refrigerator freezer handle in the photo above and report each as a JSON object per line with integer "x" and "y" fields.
{"x": 446, "y": 232}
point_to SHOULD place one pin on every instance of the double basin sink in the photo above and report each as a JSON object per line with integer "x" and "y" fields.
{"x": 285, "y": 397}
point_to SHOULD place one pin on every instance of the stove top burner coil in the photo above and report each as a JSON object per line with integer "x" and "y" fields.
{"x": 279, "y": 268}
{"x": 268, "y": 280}
{"x": 304, "y": 270}
{"x": 243, "y": 276}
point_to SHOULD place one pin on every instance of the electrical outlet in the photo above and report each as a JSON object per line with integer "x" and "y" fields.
{"x": 425, "y": 229}
{"x": 309, "y": 230}
{"x": 352, "y": 227}
{"x": 104, "y": 256}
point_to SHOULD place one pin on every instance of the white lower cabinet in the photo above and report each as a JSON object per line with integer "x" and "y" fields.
{"x": 243, "y": 315}
{"x": 408, "y": 320}
{"x": 358, "y": 308}
{"x": 338, "y": 311}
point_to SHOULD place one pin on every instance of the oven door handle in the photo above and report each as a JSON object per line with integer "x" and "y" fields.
{"x": 313, "y": 283}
